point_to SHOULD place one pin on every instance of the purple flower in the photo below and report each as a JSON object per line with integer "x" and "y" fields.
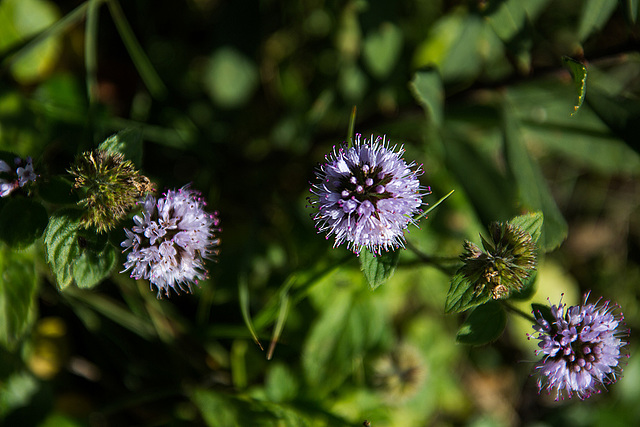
{"x": 26, "y": 174}
{"x": 171, "y": 240}
{"x": 581, "y": 347}
{"x": 366, "y": 195}
{"x": 19, "y": 178}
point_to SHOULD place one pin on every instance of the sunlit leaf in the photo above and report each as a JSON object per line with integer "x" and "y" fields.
{"x": 378, "y": 268}
{"x": 484, "y": 325}
{"x": 127, "y": 142}
{"x": 531, "y": 223}
{"x": 463, "y": 294}
{"x": 579, "y": 75}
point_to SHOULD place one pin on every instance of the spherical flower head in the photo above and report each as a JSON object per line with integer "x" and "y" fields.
{"x": 109, "y": 187}
{"x": 581, "y": 347}
{"x": 366, "y": 195}
{"x": 170, "y": 241}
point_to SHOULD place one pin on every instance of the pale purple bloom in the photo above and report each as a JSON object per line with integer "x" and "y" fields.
{"x": 26, "y": 174}
{"x": 582, "y": 347}
{"x": 6, "y": 187}
{"x": 170, "y": 241}
{"x": 366, "y": 195}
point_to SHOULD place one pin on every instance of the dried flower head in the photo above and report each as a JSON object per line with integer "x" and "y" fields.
{"x": 109, "y": 185}
{"x": 170, "y": 241}
{"x": 366, "y": 195}
{"x": 508, "y": 260}
{"x": 582, "y": 347}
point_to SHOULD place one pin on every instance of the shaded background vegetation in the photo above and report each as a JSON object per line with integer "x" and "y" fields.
{"x": 243, "y": 99}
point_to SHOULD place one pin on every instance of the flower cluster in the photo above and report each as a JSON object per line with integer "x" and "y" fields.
{"x": 582, "y": 347}
{"x": 366, "y": 195}
{"x": 507, "y": 262}
{"x": 109, "y": 186}
{"x": 170, "y": 241}
{"x": 18, "y": 177}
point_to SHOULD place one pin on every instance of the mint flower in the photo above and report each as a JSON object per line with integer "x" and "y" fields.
{"x": 19, "y": 178}
{"x": 366, "y": 196}
{"x": 170, "y": 241}
{"x": 581, "y": 347}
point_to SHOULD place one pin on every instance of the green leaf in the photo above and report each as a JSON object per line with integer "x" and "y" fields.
{"x": 507, "y": 19}
{"x": 534, "y": 191}
{"x": 381, "y": 49}
{"x": 595, "y": 13}
{"x": 92, "y": 267}
{"x": 543, "y": 310}
{"x": 632, "y": 10}
{"x": 428, "y": 90}
{"x": 531, "y": 223}
{"x": 127, "y": 142}
{"x": 230, "y": 78}
{"x": 74, "y": 254}
{"x": 281, "y": 384}
{"x": 22, "y": 221}
{"x": 579, "y": 75}
{"x": 462, "y": 294}
{"x": 484, "y": 325}
{"x": 378, "y": 268}
{"x": 18, "y": 292}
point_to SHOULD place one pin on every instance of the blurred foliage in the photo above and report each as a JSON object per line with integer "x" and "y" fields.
{"x": 243, "y": 99}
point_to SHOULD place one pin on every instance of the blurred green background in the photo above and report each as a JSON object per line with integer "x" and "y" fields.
{"x": 243, "y": 99}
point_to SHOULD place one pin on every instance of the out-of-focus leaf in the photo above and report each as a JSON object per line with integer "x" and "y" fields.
{"x": 22, "y": 221}
{"x": 534, "y": 191}
{"x": 230, "y": 78}
{"x": 542, "y": 110}
{"x": 579, "y": 75}
{"x": 621, "y": 114}
{"x": 507, "y": 19}
{"x": 57, "y": 190}
{"x": 463, "y": 295}
{"x": 378, "y": 268}
{"x": 18, "y": 291}
{"x": 352, "y": 82}
{"x": 427, "y": 89}
{"x": 534, "y": 8}
{"x": 491, "y": 194}
{"x": 17, "y": 392}
{"x": 21, "y": 19}
{"x": 381, "y": 49}
{"x": 281, "y": 384}
{"x": 92, "y": 266}
{"x": 127, "y": 142}
{"x": 347, "y": 327}
{"x": 484, "y": 325}
{"x": 631, "y": 10}
{"x": 594, "y": 14}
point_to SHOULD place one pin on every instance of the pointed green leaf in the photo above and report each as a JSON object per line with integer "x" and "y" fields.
{"x": 531, "y": 223}
{"x": 462, "y": 294}
{"x": 127, "y": 142}
{"x": 18, "y": 292}
{"x": 22, "y": 221}
{"x": 579, "y": 75}
{"x": 632, "y": 10}
{"x": 92, "y": 267}
{"x": 484, "y": 325}
{"x": 378, "y": 268}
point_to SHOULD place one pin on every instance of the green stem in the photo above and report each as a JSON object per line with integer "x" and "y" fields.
{"x": 519, "y": 312}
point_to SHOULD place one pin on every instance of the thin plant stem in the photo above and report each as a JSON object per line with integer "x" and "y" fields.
{"x": 519, "y": 312}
